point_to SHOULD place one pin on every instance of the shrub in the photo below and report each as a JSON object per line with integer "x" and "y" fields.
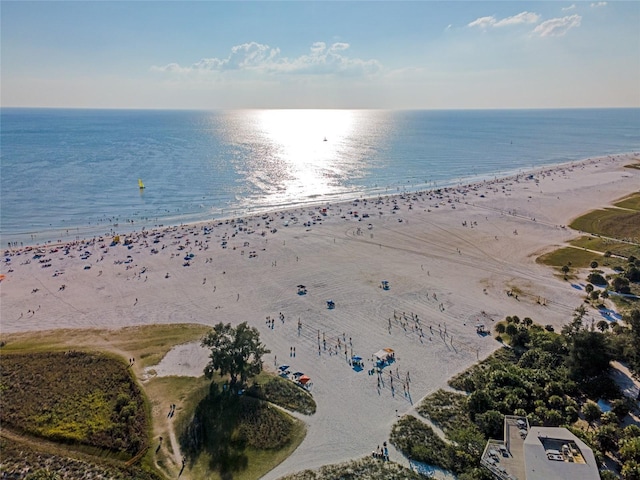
{"x": 596, "y": 279}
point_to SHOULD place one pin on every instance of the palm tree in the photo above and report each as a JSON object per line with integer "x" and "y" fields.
{"x": 565, "y": 270}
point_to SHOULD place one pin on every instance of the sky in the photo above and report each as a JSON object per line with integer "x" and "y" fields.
{"x": 329, "y": 54}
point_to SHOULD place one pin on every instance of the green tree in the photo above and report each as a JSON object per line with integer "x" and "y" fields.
{"x": 479, "y": 402}
{"x": 588, "y": 288}
{"x": 596, "y": 278}
{"x": 500, "y": 328}
{"x": 609, "y": 418}
{"x": 588, "y": 356}
{"x": 571, "y": 414}
{"x": 620, "y": 408}
{"x": 236, "y": 352}
{"x": 632, "y": 319}
{"x": 602, "y": 325}
{"x": 591, "y": 412}
{"x": 606, "y": 438}
{"x": 491, "y": 423}
{"x": 630, "y": 449}
{"x": 632, "y": 273}
{"x": 620, "y": 284}
{"x": 631, "y": 431}
{"x": 556, "y": 401}
{"x": 511, "y": 329}
{"x": 553, "y": 418}
{"x": 608, "y": 475}
{"x": 630, "y": 470}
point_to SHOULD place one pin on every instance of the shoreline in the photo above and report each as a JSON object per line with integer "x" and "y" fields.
{"x": 449, "y": 258}
{"x": 51, "y": 238}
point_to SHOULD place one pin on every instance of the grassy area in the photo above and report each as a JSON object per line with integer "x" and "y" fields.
{"x": 574, "y": 257}
{"x": 252, "y": 435}
{"x": 147, "y": 344}
{"x": 258, "y": 462}
{"x": 18, "y": 452}
{"x": 446, "y": 409}
{"x": 237, "y": 436}
{"x": 284, "y": 393}
{"x": 624, "y": 304}
{"x": 616, "y": 247}
{"x": 366, "y": 468}
{"x": 631, "y": 202}
{"x": 418, "y": 440}
{"x": 73, "y": 397}
{"x": 610, "y": 222}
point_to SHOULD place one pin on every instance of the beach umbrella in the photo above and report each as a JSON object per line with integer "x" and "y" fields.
{"x": 284, "y": 367}
{"x": 357, "y": 358}
{"x": 298, "y": 374}
{"x": 304, "y": 379}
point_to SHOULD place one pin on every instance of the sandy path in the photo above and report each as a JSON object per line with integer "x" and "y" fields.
{"x": 466, "y": 246}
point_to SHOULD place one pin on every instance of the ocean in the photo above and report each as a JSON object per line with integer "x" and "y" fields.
{"x": 70, "y": 173}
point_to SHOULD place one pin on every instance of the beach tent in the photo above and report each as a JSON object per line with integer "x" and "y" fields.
{"x": 382, "y": 355}
{"x": 386, "y": 355}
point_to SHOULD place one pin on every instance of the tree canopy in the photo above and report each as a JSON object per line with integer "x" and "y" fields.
{"x": 236, "y": 352}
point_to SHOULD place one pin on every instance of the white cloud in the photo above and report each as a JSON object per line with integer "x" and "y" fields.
{"x": 524, "y": 17}
{"x": 491, "y": 21}
{"x": 557, "y": 27}
{"x": 599, "y": 4}
{"x": 570, "y": 7}
{"x": 256, "y": 57}
{"x": 483, "y": 22}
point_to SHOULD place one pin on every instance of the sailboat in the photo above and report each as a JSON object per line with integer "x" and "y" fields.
{"x": 140, "y": 184}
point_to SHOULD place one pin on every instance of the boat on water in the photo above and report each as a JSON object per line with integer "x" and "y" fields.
{"x": 140, "y": 184}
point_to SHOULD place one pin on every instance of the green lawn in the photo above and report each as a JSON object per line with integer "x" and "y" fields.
{"x": 574, "y": 257}
{"x": 603, "y": 244}
{"x": 610, "y": 222}
{"x": 631, "y": 202}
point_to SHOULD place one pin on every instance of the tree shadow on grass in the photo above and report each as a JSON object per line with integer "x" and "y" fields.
{"x": 213, "y": 431}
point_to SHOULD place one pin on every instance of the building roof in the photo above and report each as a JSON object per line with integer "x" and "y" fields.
{"x": 553, "y": 452}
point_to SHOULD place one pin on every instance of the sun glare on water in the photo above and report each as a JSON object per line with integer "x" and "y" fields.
{"x": 307, "y": 149}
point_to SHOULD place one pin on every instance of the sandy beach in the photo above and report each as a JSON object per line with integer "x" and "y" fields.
{"x": 449, "y": 257}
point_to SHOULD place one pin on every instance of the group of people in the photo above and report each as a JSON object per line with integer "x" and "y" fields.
{"x": 381, "y": 453}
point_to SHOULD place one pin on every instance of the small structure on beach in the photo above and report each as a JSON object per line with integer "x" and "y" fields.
{"x": 385, "y": 357}
{"x": 302, "y": 290}
{"x": 385, "y": 284}
{"x": 331, "y": 304}
{"x": 357, "y": 362}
